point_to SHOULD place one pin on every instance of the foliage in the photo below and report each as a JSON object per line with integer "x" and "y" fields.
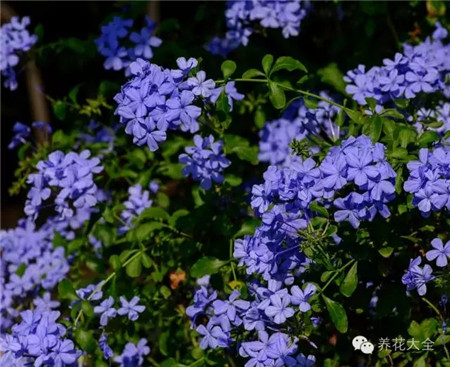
{"x": 252, "y": 211}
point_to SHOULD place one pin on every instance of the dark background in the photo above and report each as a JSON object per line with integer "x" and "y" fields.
{"x": 349, "y": 33}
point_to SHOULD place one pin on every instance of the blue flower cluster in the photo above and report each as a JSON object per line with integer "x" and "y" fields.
{"x": 22, "y": 132}
{"x": 107, "y": 311}
{"x": 243, "y": 16}
{"x": 204, "y": 161}
{"x": 429, "y": 180}
{"x": 416, "y": 277}
{"x": 357, "y": 161}
{"x": 422, "y": 68}
{"x": 73, "y": 175}
{"x": 297, "y": 122}
{"x": 273, "y": 258}
{"x": 119, "y": 54}
{"x": 261, "y": 318}
{"x": 29, "y": 264}
{"x": 158, "y": 99}
{"x": 38, "y": 340}
{"x": 137, "y": 202}
{"x": 15, "y": 39}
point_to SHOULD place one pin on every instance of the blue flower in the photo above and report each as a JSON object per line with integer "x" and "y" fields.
{"x": 15, "y": 40}
{"x": 243, "y": 16}
{"x": 131, "y": 308}
{"x": 204, "y": 161}
{"x": 21, "y": 133}
{"x": 104, "y": 347}
{"x": 279, "y": 309}
{"x": 133, "y": 355}
{"x": 420, "y": 69}
{"x": 299, "y": 297}
{"x": 213, "y": 336}
{"x": 106, "y": 310}
{"x": 145, "y": 41}
{"x": 440, "y": 252}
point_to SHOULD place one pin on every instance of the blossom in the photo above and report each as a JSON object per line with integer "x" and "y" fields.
{"x": 419, "y": 69}
{"x": 106, "y": 310}
{"x": 133, "y": 355}
{"x": 299, "y": 297}
{"x": 118, "y": 55}
{"x": 15, "y": 40}
{"x": 21, "y": 133}
{"x": 279, "y": 309}
{"x": 73, "y": 175}
{"x": 440, "y": 252}
{"x": 243, "y": 16}
{"x": 204, "y": 161}
{"x": 131, "y": 308}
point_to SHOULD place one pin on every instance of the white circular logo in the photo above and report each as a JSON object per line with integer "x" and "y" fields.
{"x": 367, "y": 348}
{"x": 358, "y": 341}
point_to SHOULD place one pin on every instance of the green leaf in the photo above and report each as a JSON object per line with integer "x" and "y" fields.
{"x": 390, "y": 112}
{"x": 401, "y": 103}
{"x": 428, "y": 137}
{"x": 288, "y": 63}
{"x": 59, "y": 109}
{"x": 326, "y": 275}
{"x": 115, "y": 262}
{"x": 66, "y": 290}
{"x": 376, "y": 125}
{"x": 316, "y": 207}
{"x": 146, "y": 261}
{"x": 406, "y": 136}
{"x": 125, "y": 255}
{"x": 154, "y": 213}
{"x": 337, "y": 314}
{"x": 248, "y": 228}
{"x": 134, "y": 267}
{"x": 259, "y": 118}
{"x": 311, "y": 103}
{"x": 74, "y": 93}
{"x": 228, "y": 67}
{"x": 333, "y": 76}
{"x": 277, "y": 96}
{"x": 206, "y": 266}
{"x": 165, "y": 291}
{"x": 355, "y": 116}
{"x": 252, "y": 73}
{"x": 350, "y": 281}
{"x": 86, "y": 340}
{"x": 143, "y": 231}
{"x": 233, "y": 180}
{"x": 39, "y": 31}
{"x": 232, "y": 141}
{"x": 426, "y": 329}
{"x": 163, "y": 338}
{"x": 372, "y": 103}
{"x": 386, "y": 251}
{"x": 87, "y": 308}
{"x": 249, "y": 154}
{"x": 267, "y": 62}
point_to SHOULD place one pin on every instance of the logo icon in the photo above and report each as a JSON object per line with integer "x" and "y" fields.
{"x": 361, "y": 343}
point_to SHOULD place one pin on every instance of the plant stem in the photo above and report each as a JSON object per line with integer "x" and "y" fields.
{"x": 309, "y": 94}
{"x": 231, "y": 261}
{"x": 336, "y": 274}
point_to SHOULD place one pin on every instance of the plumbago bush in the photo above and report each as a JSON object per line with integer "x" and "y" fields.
{"x": 207, "y": 213}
